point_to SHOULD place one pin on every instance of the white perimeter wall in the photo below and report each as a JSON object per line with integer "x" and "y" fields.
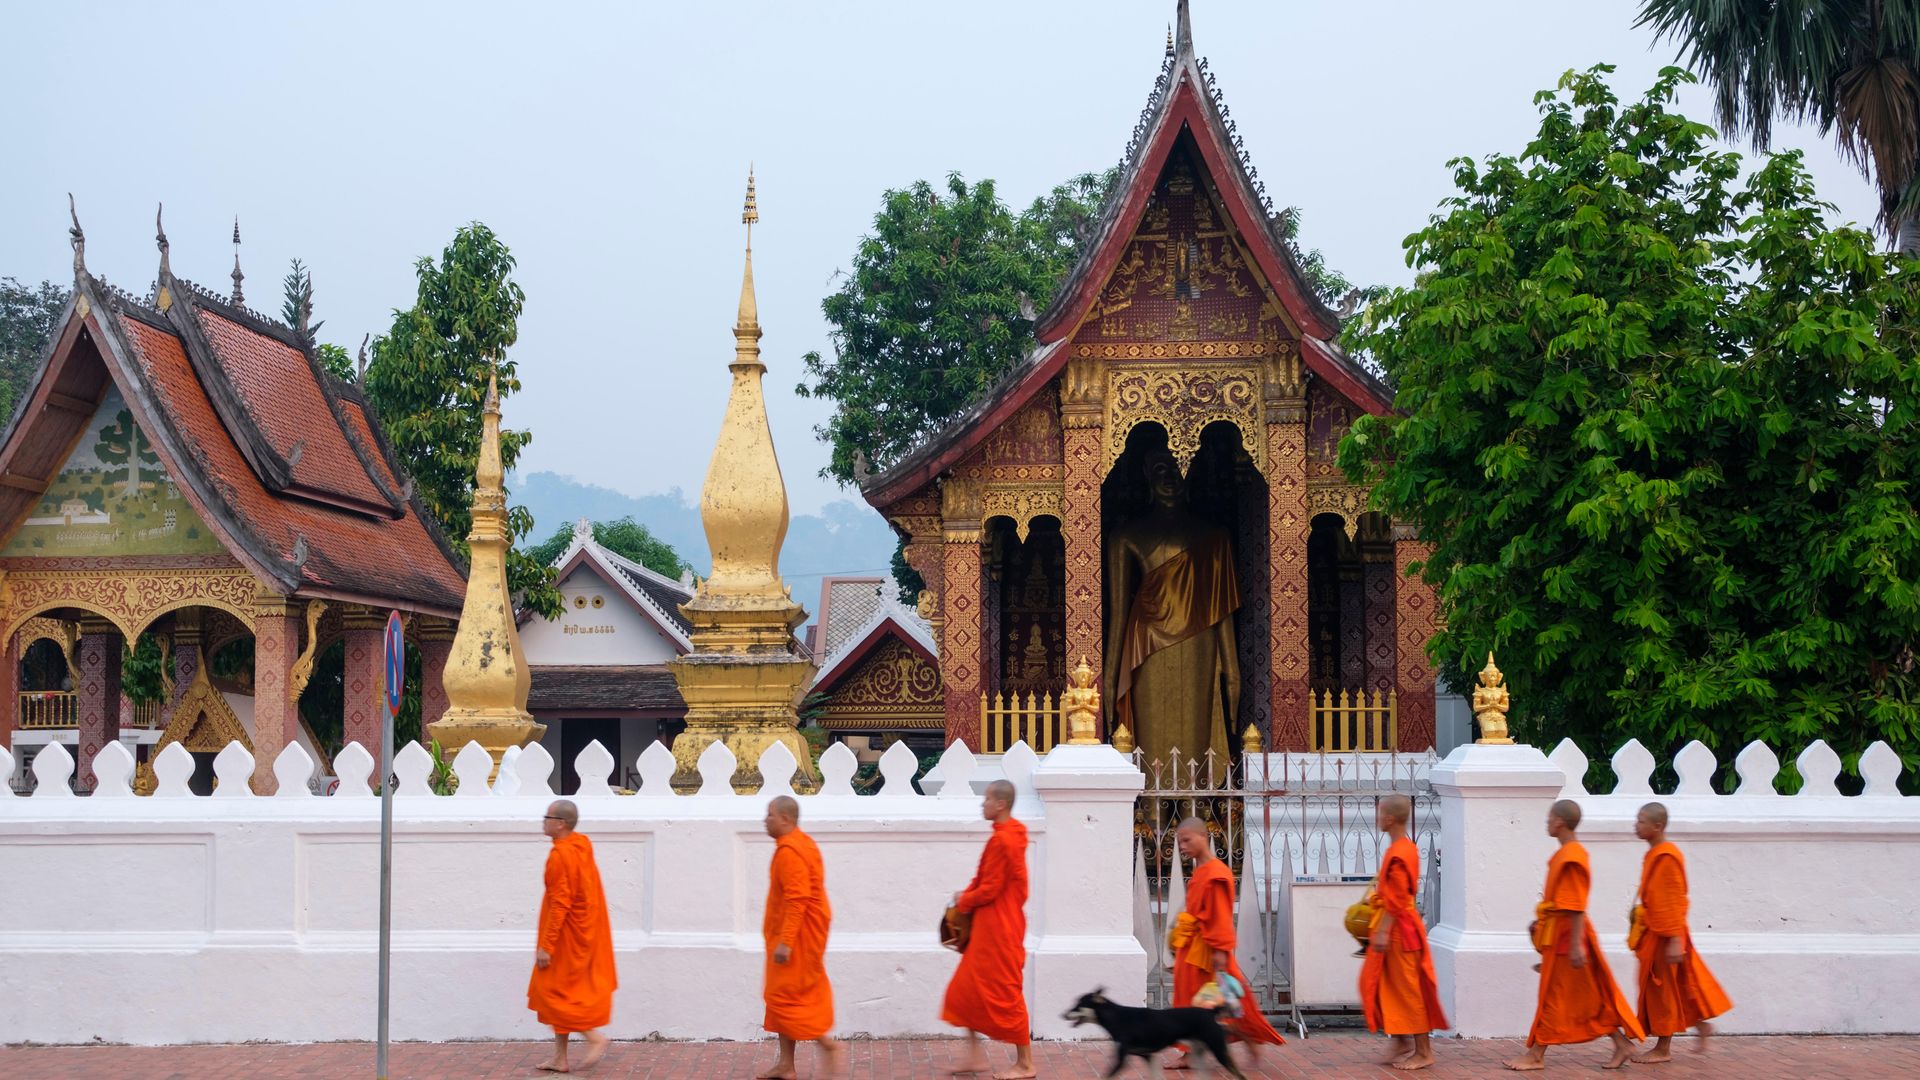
{"x": 1804, "y": 906}
{"x": 176, "y": 918}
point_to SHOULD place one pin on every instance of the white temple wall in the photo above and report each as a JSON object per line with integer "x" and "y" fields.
{"x": 612, "y": 633}
{"x": 175, "y": 918}
{"x": 1803, "y": 906}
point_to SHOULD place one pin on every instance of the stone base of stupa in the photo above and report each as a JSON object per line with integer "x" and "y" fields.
{"x": 746, "y": 703}
{"x": 493, "y": 731}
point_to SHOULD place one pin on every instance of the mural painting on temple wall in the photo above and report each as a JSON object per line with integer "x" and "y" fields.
{"x": 112, "y": 496}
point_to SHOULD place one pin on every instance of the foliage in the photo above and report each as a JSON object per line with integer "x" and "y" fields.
{"x": 125, "y": 444}
{"x": 442, "y": 780}
{"x": 296, "y": 305}
{"x": 1661, "y": 434}
{"x": 1851, "y": 66}
{"x": 940, "y": 304}
{"x": 624, "y": 537}
{"x": 335, "y": 361}
{"x": 143, "y": 670}
{"x": 909, "y": 580}
{"x": 28, "y": 317}
{"x": 427, "y": 379}
{"x": 1331, "y": 285}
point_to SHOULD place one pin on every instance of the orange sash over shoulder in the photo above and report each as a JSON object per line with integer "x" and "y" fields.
{"x": 1399, "y": 992}
{"x": 575, "y": 990}
{"x": 1673, "y": 997}
{"x": 799, "y": 998}
{"x": 1210, "y": 902}
{"x": 1577, "y": 1004}
{"x": 988, "y": 991}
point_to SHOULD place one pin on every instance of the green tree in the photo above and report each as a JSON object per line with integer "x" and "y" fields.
{"x": 334, "y": 361}
{"x": 296, "y": 305}
{"x": 1851, "y": 66}
{"x": 1663, "y": 433}
{"x": 623, "y": 536}
{"x": 428, "y": 376}
{"x": 27, "y": 323}
{"x": 142, "y": 670}
{"x": 123, "y": 443}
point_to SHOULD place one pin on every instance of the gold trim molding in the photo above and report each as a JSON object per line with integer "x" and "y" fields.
{"x": 130, "y": 599}
{"x": 1348, "y": 501}
{"x": 1022, "y": 503}
{"x": 1184, "y": 401}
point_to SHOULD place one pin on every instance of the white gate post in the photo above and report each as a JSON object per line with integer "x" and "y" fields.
{"x": 1080, "y": 912}
{"x": 1494, "y": 849}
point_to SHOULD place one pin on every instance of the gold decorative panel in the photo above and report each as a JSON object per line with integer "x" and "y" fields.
{"x": 1184, "y": 400}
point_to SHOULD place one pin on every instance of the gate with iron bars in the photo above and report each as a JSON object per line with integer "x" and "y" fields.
{"x": 1276, "y": 819}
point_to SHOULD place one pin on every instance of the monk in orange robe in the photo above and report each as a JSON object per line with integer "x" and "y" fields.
{"x": 987, "y": 995}
{"x": 799, "y": 998}
{"x": 573, "y": 978}
{"x": 1677, "y": 991}
{"x": 1398, "y": 990}
{"x": 1204, "y": 939}
{"x": 1579, "y": 1001}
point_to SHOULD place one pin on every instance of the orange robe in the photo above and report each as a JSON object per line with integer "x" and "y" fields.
{"x": 987, "y": 993}
{"x": 1576, "y": 1004}
{"x": 575, "y": 991}
{"x": 1398, "y": 990}
{"x": 799, "y": 998}
{"x": 1673, "y": 997}
{"x": 1210, "y": 902}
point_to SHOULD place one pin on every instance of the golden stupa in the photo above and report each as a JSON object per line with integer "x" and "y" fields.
{"x": 487, "y": 676}
{"x": 745, "y": 676}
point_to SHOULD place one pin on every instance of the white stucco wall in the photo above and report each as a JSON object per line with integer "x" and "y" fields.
{"x": 233, "y": 917}
{"x": 613, "y": 633}
{"x": 1803, "y": 906}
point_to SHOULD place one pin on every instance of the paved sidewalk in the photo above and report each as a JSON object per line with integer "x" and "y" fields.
{"x": 1325, "y": 1056}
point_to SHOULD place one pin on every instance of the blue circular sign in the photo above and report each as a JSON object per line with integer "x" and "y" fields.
{"x": 396, "y": 663}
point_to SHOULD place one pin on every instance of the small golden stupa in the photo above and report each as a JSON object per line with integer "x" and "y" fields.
{"x": 745, "y": 676}
{"x": 487, "y": 676}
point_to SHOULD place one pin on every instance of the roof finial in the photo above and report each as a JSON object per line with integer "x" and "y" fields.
{"x": 750, "y": 213}
{"x": 746, "y": 330}
{"x": 1183, "y": 35}
{"x": 239, "y": 297}
{"x": 78, "y": 238}
{"x": 162, "y": 292}
{"x": 1169, "y": 39}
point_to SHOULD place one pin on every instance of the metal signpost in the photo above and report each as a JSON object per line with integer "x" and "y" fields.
{"x": 395, "y": 669}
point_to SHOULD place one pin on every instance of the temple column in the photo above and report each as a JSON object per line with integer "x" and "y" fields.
{"x": 276, "y": 719}
{"x": 1082, "y": 425}
{"x": 1290, "y": 658}
{"x": 1376, "y": 578}
{"x": 435, "y": 641}
{"x": 98, "y": 697}
{"x": 1416, "y": 613}
{"x": 9, "y": 693}
{"x": 961, "y": 577}
{"x": 364, "y": 704}
{"x": 187, "y": 657}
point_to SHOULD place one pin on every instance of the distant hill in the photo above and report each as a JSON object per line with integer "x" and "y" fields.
{"x": 846, "y": 537}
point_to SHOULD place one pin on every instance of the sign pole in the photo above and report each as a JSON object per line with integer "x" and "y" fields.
{"x": 395, "y": 671}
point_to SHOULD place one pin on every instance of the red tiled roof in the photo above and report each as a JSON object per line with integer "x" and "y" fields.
{"x": 364, "y": 555}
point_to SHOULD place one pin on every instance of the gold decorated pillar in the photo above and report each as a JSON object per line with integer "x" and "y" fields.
{"x": 434, "y": 640}
{"x": 1416, "y": 615}
{"x": 276, "y": 712}
{"x": 1289, "y": 646}
{"x": 486, "y": 677}
{"x": 97, "y": 695}
{"x": 962, "y": 658}
{"x": 364, "y": 693}
{"x": 1082, "y": 427}
{"x": 745, "y": 676}
{"x": 9, "y": 692}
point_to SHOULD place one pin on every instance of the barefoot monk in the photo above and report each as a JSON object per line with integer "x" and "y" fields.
{"x": 573, "y": 978}
{"x": 1204, "y": 937}
{"x": 1677, "y": 991}
{"x": 799, "y": 999}
{"x": 1398, "y": 990}
{"x": 988, "y": 993}
{"x": 1579, "y": 1001}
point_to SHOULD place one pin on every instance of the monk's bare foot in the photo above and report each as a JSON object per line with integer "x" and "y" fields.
{"x": 1622, "y": 1052}
{"x": 779, "y": 1070}
{"x": 977, "y": 1063}
{"x": 1529, "y": 1063}
{"x": 1414, "y": 1061}
{"x": 597, "y": 1044}
{"x": 1016, "y": 1073}
{"x": 1706, "y": 1035}
{"x": 1655, "y": 1056}
{"x": 1401, "y": 1047}
{"x": 552, "y": 1066}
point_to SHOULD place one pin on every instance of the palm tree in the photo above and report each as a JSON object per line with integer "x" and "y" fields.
{"x": 1852, "y": 66}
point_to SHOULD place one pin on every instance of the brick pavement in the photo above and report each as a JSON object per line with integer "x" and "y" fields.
{"x": 1333, "y": 1055}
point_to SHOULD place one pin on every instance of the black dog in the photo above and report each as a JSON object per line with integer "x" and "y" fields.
{"x": 1142, "y": 1033}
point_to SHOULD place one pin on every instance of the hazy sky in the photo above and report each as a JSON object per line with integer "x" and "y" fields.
{"x": 609, "y": 144}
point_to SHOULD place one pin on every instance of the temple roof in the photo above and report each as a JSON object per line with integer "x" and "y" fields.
{"x": 283, "y": 461}
{"x": 1185, "y": 101}
{"x": 604, "y": 688}
{"x": 657, "y": 596}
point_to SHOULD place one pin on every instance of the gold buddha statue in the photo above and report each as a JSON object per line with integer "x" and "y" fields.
{"x": 1172, "y": 669}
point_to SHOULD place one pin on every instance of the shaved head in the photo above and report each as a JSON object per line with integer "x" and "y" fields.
{"x": 786, "y": 807}
{"x": 1397, "y": 808}
{"x": 1567, "y": 812}
{"x": 565, "y": 811}
{"x": 1192, "y": 825}
{"x": 1656, "y": 814}
{"x": 1001, "y": 789}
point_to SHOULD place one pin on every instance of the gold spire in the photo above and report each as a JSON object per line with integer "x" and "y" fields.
{"x": 744, "y": 678}
{"x": 487, "y": 677}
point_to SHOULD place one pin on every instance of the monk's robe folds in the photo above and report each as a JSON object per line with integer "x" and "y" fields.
{"x": 1398, "y": 991}
{"x": 1210, "y": 902}
{"x": 799, "y": 998}
{"x": 1673, "y": 997}
{"x": 1576, "y": 1004}
{"x": 575, "y": 991}
{"x": 987, "y": 993}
